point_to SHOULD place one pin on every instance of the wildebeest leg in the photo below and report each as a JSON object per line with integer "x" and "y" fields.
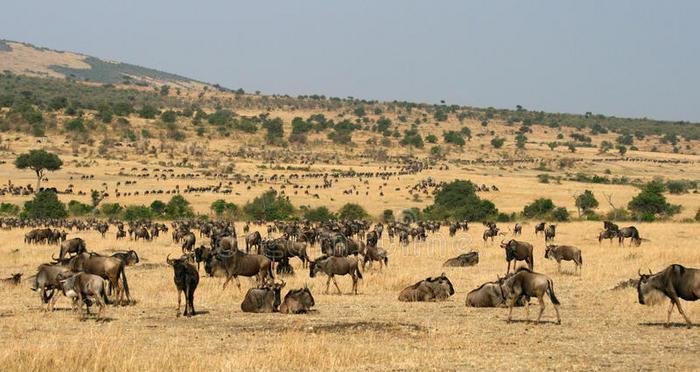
{"x": 51, "y": 303}
{"x": 328, "y": 283}
{"x": 101, "y": 304}
{"x": 190, "y": 297}
{"x": 179, "y": 302}
{"x": 559, "y": 267}
{"x": 541, "y": 300}
{"x": 238, "y": 282}
{"x": 510, "y": 308}
{"x": 527, "y": 312}
{"x": 336, "y": 285}
{"x": 680, "y": 309}
{"x": 508, "y": 269}
{"x": 354, "y": 283}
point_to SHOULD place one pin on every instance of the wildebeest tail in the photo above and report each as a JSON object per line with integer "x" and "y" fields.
{"x": 550, "y": 292}
{"x": 269, "y": 271}
{"x": 386, "y": 260}
{"x": 357, "y": 269}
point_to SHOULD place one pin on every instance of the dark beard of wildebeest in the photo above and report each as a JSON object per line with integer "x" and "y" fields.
{"x": 463, "y": 260}
{"x": 430, "y": 289}
{"x": 82, "y": 288}
{"x": 489, "y": 294}
{"x": 264, "y": 299}
{"x": 109, "y": 268}
{"x": 525, "y": 282}
{"x": 297, "y": 301}
{"x": 561, "y": 253}
{"x": 332, "y": 266}
{"x": 74, "y": 246}
{"x": 539, "y": 228}
{"x": 253, "y": 240}
{"x": 186, "y": 278}
{"x": 675, "y": 282}
{"x": 518, "y": 251}
{"x": 236, "y": 263}
{"x": 550, "y": 232}
{"x": 629, "y": 232}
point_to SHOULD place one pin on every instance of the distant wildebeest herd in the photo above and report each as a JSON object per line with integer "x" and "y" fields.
{"x": 347, "y": 249}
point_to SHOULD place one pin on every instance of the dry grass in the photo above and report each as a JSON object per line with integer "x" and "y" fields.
{"x": 602, "y": 329}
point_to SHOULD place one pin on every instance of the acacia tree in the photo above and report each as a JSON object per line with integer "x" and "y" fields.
{"x": 39, "y": 161}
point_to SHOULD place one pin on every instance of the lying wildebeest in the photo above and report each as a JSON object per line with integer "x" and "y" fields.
{"x": 539, "y": 228}
{"x": 525, "y": 282}
{"x": 489, "y": 294}
{"x": 374, "y": 253}
{"x": 46, "y": 280}
{"x": 253, "y": 240}
{"x": 14, "y": 279}
{"x": 463, "y": 260}
{"x": 518, "y": 251}
{"x": 74, "y": 246}
{"x": 430, "y": 289}
{"x": 332, "y": 266}
{"x": 675, "y": 282}
{"x": 564, "y": 253}
{"x": 297, "y": 301}
{"x": 607, "y": 234}
{"x": 629, "y": 232}
{"x": 550, "y": 232}
{"x": 84, "y": 287}
{"x": 110, "y": 268}
{"x": 186, "y": 279}
{"x": 265, "y": 299}
{"x": 237, "y": 263}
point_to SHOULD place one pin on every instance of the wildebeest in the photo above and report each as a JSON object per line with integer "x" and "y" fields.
{"x": 253, "y": 240}
{"x": 129, "y": 257}
{"x": 264, "y": 299}
{"x": 490, "y": 294}
{"x": 74, "y": 246}
{"x": 490, "y": 233}
{"x": 539, "y": 227}
{"x": 374, "y": 253}
{"x": 236, "y": 263}
{"x": 607, "y": 234}
{"x": 297, "y": 301}
{"x": 109, "y": 268}
{"x": 550, "y": 232}
{"x": 518, "y": 229}
{"x": 46, "y": 280}
{"x": 188, "y": 241}
{"x": 14, "y": 279}
{"x": 84, "y": 287}
{"x": 609, "y": 225}
{"x": 518, "y": 251}
{"x": 629, "y": 232}
{"x": 675, "y": 282}
{"x": 186, "y": 279}
{"x": 525, "y": 282}
{"x": 463, "y": 260}
{"x": 430, "y": 289}
{"x": 332, "y": 266}
{"x": 561, "y": 253}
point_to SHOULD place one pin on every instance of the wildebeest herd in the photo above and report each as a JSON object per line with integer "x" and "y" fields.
{"x": 348, "y": 248}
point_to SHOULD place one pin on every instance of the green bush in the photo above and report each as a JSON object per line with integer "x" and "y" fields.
{"x": 223, "y": 209}
{"x": 78, "y": 209}
{"x": 45, "y": 204}
{"x": 652, "y": 201}
{"x": 586, "y": 202}
{"x": 454, "y": 138}
{"x": 9, "y": 209}
{"x": 269, "y": 207}
{"x": 320, "y": 214}
{"x": 539, "y": 208}
{"x": 352, "y": 211}
{"x": 137, "y": 213}
{"x": 178, "y": 207}
{"x": 497, "y": 142}
{"x": 148, "y": 112}
{"x": 458, "y": 201}
{"x": 388, "y": 215}
{"x": 560, "y": 214}
{"x": 111, "y": 210}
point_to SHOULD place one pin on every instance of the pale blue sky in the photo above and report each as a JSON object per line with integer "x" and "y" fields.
{"x": 627, "y": 58}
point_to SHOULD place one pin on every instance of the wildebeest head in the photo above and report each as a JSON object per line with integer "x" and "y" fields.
{"x": 549, "y": 250}
{"x": 445, "y": 283}
{"x": 313, "y": 269}
{"x": 647, "y": 289}
{"x": 507, "y": 244}
{"x": 131, "y": 258}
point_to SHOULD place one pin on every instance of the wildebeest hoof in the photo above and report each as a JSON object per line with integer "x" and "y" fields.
{"x": 177, "y": 315}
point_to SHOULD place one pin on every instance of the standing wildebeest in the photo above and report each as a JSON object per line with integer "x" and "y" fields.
{"x": 188, "y": 241}
{"x": 84, "y": 286}
{"x": 297, "y": 301}
{"x": 564, "y": 253}
{"x": 463, "y": 260}
{"x": 75, "y": 246}
{"x": 550, "y": 232}
{"x": 237, "y": 263}
{"x": 609, "y": 225}
{"x": 46, "y": 280}
{"x": 490, "y": 233}
{"x": 539, "y": 228}
{"x": 489, "y": 294}
{"x": 675, "y": 282}
{"x": 525, "y": 282}
{"x": 332, "y": 266}
{"x": 518, "y": 229}
{"x": 629, "y": 232}
{"x": 253, "y": 240}
{"x": 265, "y": 299}
{"x": 14, "y": 279}
{"x": 110, "y": 268}
{"x": 607, "y": 234}
{"x": 430, "y": 289}
{"x": 186, "y": 280}
{"x": 374, "y": 253}
{"x": 518, "y": 251}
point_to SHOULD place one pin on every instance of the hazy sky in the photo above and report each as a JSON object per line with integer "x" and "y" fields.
{"x": 626, "y": 58}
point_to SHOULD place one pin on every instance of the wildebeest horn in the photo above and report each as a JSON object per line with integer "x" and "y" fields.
{"x": 168, "y": 260}
{"x": 649, "y": 271}
{"x": 639, "y": 272}
{"x": 54, "y": 258}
